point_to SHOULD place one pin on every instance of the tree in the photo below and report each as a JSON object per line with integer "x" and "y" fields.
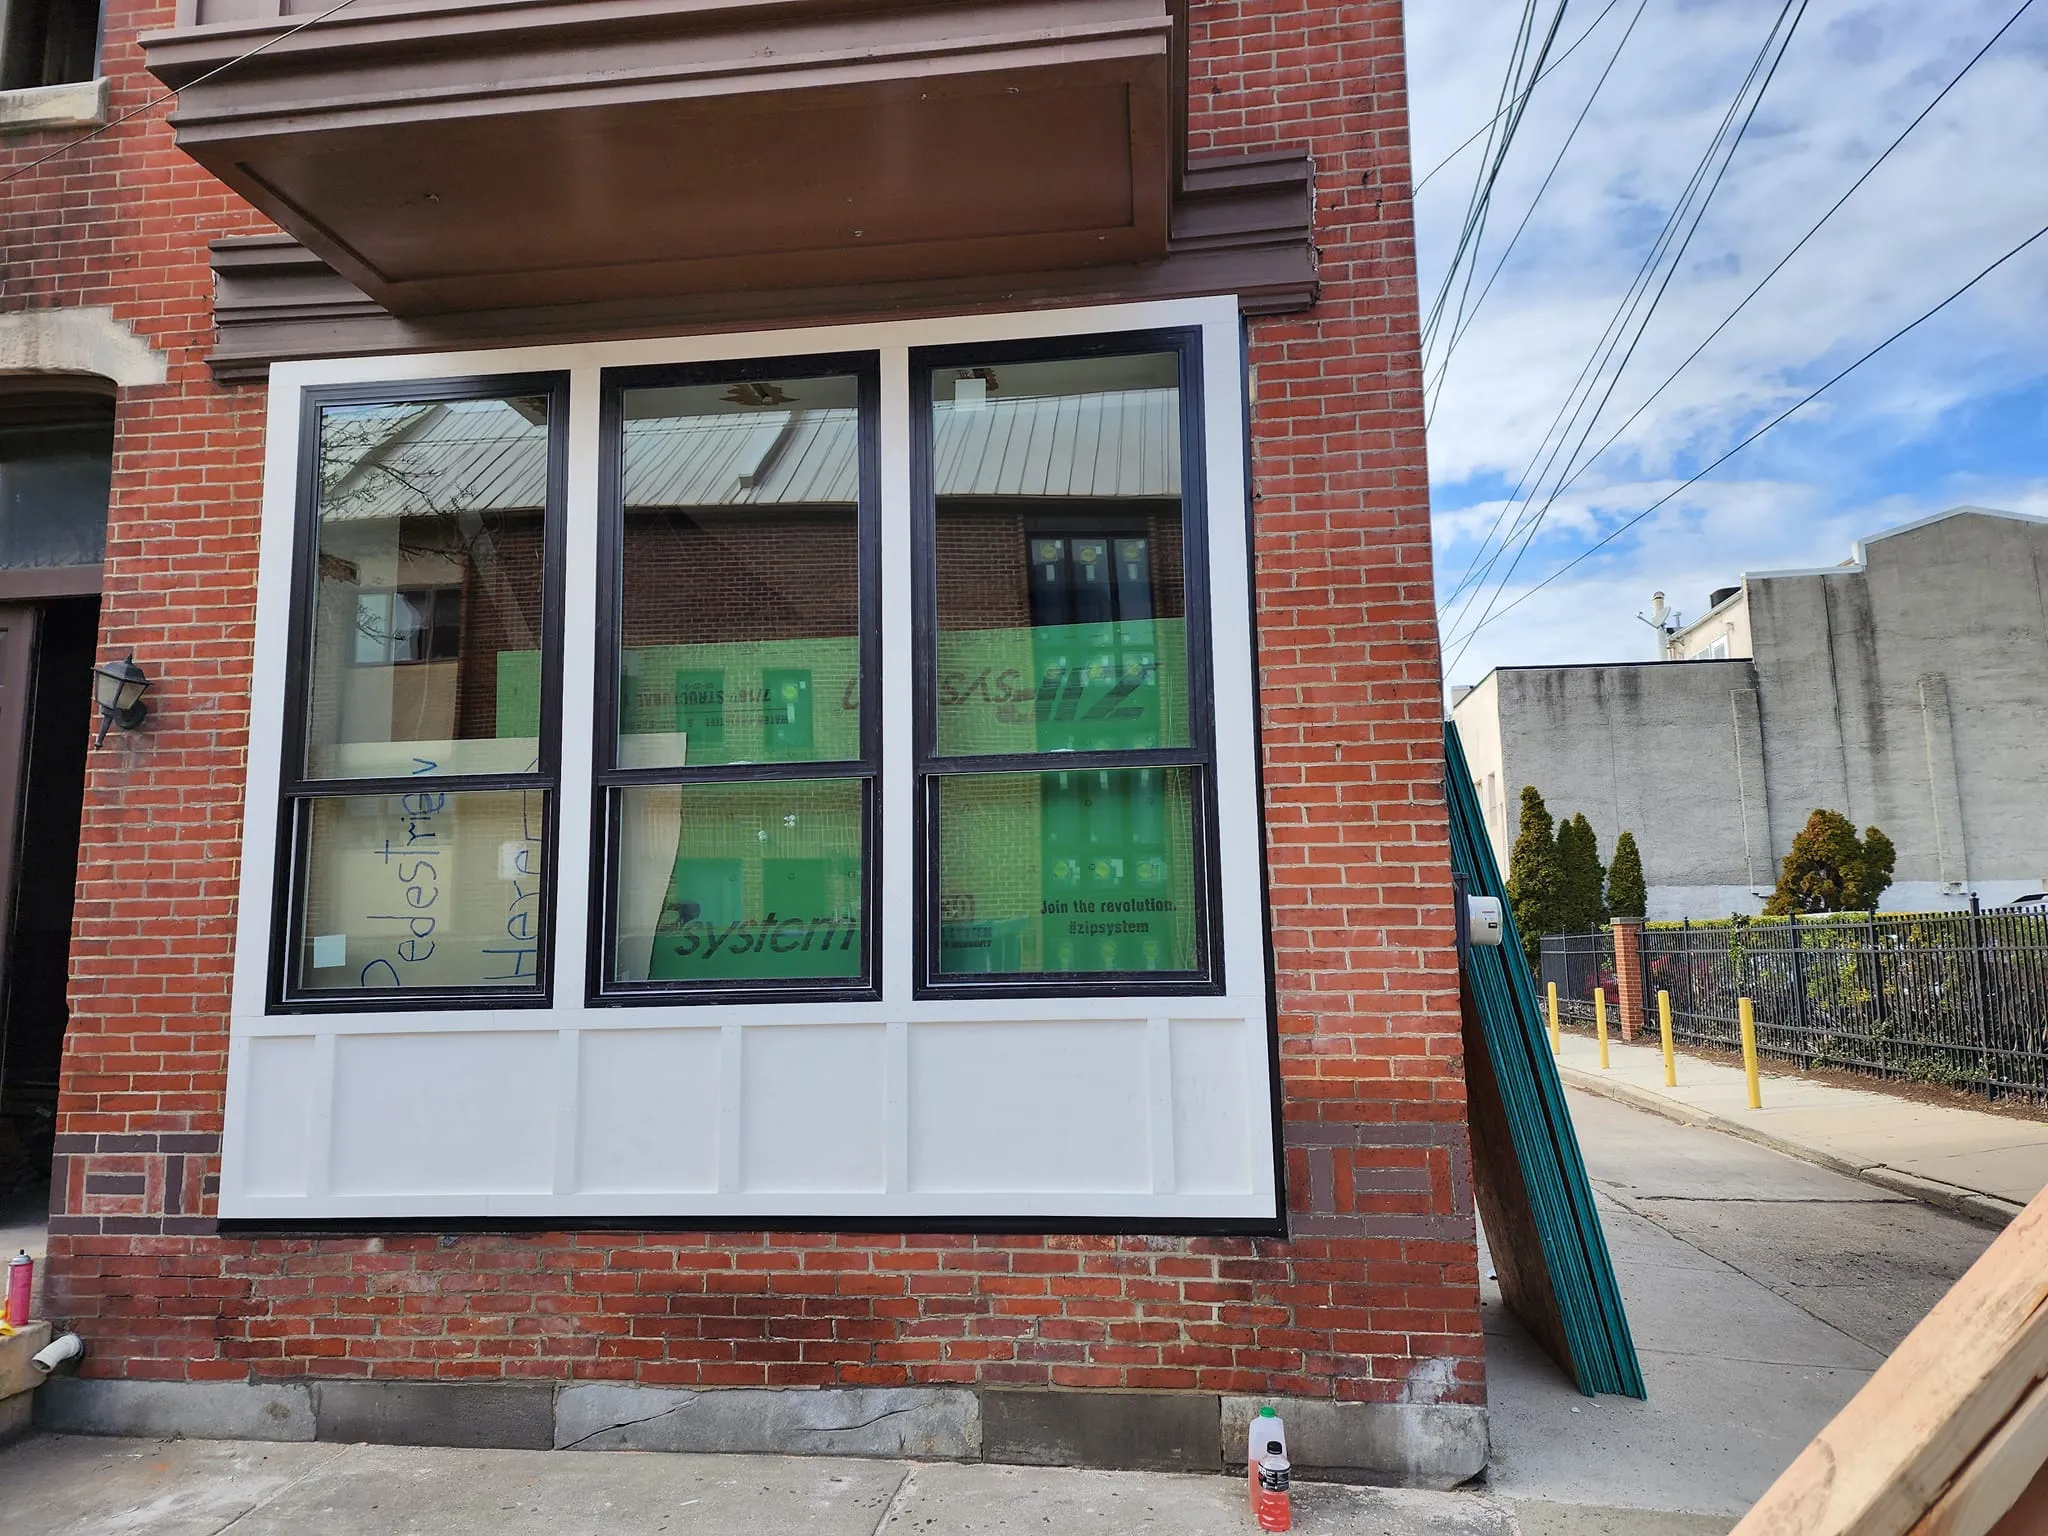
{"x": 1535, "y": 883}
{"x": 1627, "y": 896}
{"x": 1578, "y": 858}
{"x": 1879, "y": 859}
{"x": 1831, "y": 869}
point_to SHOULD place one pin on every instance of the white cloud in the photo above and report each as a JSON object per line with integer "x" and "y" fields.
{"x": 1969, "y": 183}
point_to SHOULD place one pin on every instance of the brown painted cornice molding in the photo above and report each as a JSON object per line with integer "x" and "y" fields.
{"x": 1239, "y": 225}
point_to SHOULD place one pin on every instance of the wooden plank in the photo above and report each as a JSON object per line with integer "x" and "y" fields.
{"x": 1886, "y": 1458}
{"x": 1996, "y": 1476}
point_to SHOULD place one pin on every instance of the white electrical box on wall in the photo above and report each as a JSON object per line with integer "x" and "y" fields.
{"x": 1486, "y": 923}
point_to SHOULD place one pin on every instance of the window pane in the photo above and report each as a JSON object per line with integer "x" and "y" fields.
{"x": 740, "y": 882}
{"x": 1061, "y": 605}
{"x": 427, "y": 624}
{"x": 54, "y": 483}
{"x": 428, "y": 889}
{"x": 741, "y": 574}
{"x": 1079, "y": 871}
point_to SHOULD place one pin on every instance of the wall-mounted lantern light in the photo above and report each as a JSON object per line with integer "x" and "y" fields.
{"x": 118, "y": 687}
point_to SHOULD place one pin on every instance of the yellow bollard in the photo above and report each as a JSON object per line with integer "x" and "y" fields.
{"x": 1556, "y": 1029}
{"x": 1664, "y": 1028}
{"x": 1600, "y": 1022}
{"x": 1747, "y": 1011}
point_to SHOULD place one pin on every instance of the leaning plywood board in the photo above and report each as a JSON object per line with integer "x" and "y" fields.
{"x": 1949, "y": 1433}
{"x": 1548, "y": 1247}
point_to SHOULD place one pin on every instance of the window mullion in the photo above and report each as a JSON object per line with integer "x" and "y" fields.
{"x": 575, "y": 821}
{"x": 896, "y": 903}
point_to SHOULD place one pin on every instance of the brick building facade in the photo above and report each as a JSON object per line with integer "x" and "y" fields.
{"x": 1370, "y": 1298}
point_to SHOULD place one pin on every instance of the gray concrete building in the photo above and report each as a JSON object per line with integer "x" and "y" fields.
{"x": 1906, "y": 688}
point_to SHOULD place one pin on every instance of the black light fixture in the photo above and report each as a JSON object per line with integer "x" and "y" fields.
{"x": 118, "y": 687}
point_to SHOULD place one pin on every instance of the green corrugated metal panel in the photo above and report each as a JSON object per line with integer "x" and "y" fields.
{"x": 1560, "y": 1196}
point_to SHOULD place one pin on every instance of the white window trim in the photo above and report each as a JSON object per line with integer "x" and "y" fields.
{"x": 304, "y": 1113}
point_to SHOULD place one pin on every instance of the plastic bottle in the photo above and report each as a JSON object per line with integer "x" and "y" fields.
{"x": 1276, "y": 1506}
{"x": 1266, "y": 1429}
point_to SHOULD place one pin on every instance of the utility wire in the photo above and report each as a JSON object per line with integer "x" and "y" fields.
{"x": 1591, "y": 28}
{"x": 1805, "y": 400}
{"x": 1569, "y": 413}
{"x": 1458, "y": 335}
{"x": 157, "y": 101}
{"x": 1500, "y": 163}
{"x": 1538, "y": 465}
{"x": 1535, "y": 523}
{"x": 1489, "y": 161}
{"x": 1586, "y": 463}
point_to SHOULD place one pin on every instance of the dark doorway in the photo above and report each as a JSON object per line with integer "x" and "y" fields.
{"x": 55, "y": 461}
{"x": 33, "y": 1011}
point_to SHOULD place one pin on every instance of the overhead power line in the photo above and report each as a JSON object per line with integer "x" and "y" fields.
{"x": 1815, "y": 228}
{"x": 157, "y": 101}
{"x": 1457, "y": 335}
{"x": 1478, "y": 132}
{"x": 1805, "y": 400}
{"x": 1481, "y": 200}
{"x": 1625, "y": 316}
{"x": 1531, "y": 525}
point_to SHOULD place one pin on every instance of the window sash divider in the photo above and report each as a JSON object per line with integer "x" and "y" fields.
{"x": 1066, "y": 762}
{"x": 736, "y": 773}
{"x": 414, "y": 784}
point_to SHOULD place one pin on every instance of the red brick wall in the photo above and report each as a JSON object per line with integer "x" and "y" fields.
{"x": 1376, "y": 1295}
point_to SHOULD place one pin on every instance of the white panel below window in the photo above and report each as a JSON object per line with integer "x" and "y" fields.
{"x": 647, "y": 1110}
{"x": 277, "y": 1142}
{"x": 459, "y": 1113}
{"x": 813, "y": 1112}
{"x": 1029, "y": 1107}
{"x": 1214, "y": 1071}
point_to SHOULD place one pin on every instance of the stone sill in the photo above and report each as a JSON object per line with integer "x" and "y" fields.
{"x": 46, "y": 107}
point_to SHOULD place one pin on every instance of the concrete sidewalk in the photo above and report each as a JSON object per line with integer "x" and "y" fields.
{"x": 56, "y": 1485}
{"x": 1984, "y": 1166}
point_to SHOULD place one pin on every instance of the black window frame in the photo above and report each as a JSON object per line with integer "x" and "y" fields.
{"x": 297, "y": 790}
{"x": 931, "y": 768}
{"x": 608, "y": 780}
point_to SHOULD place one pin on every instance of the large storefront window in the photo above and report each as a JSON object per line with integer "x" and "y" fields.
{"x": 1058, "y": 689}
{"x": 737, "y": 771}
{"x": 420, "y": 767}
{"x": 1064, "y": 732}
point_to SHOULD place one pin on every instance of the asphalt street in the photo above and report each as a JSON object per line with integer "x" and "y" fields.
{"x": 1762, "y": 1292}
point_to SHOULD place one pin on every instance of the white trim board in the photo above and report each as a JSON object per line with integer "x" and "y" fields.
{"x": 1132, "y": 1109}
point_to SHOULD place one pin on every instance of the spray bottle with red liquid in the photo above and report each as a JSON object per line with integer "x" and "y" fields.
{"x": 21, "y": 1273}
{"x": 1265, "y": 1429}
{"x": 1275, "y": 1507}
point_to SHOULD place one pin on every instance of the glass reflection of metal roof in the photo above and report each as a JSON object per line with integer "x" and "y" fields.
{"x": 485, "y": 456}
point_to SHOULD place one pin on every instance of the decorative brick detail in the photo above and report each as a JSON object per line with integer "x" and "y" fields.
{"x": 1375, "y": 1295}
{"x": 1628, "y": 973}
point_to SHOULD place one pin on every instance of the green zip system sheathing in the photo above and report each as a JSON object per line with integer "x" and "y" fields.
{"x": 1531, "y": 1182}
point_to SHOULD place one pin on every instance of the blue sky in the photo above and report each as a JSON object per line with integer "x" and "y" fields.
{"x": 1957, "y": 412}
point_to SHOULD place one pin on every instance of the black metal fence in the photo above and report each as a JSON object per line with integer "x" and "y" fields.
{"x": 1959, "y": 998}
{"x": 1580, "y": 963}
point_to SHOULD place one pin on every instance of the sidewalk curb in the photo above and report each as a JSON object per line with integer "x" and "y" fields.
{"x": 1986, "y": 1209}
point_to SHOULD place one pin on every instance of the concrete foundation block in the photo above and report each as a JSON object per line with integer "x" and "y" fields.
{"x": 513, "y": 1418}
{"x": 1131, "y": 1431}
{"x": 925, "y": 1423}
{"x": 16, "y": 1414}
{"x": 198, "y": 1410}
{"x": 17, "y": 1351}
{"x": 1409, "y": 1445}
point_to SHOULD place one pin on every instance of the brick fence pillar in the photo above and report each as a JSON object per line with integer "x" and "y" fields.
{"x": 1628, "y": 973}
